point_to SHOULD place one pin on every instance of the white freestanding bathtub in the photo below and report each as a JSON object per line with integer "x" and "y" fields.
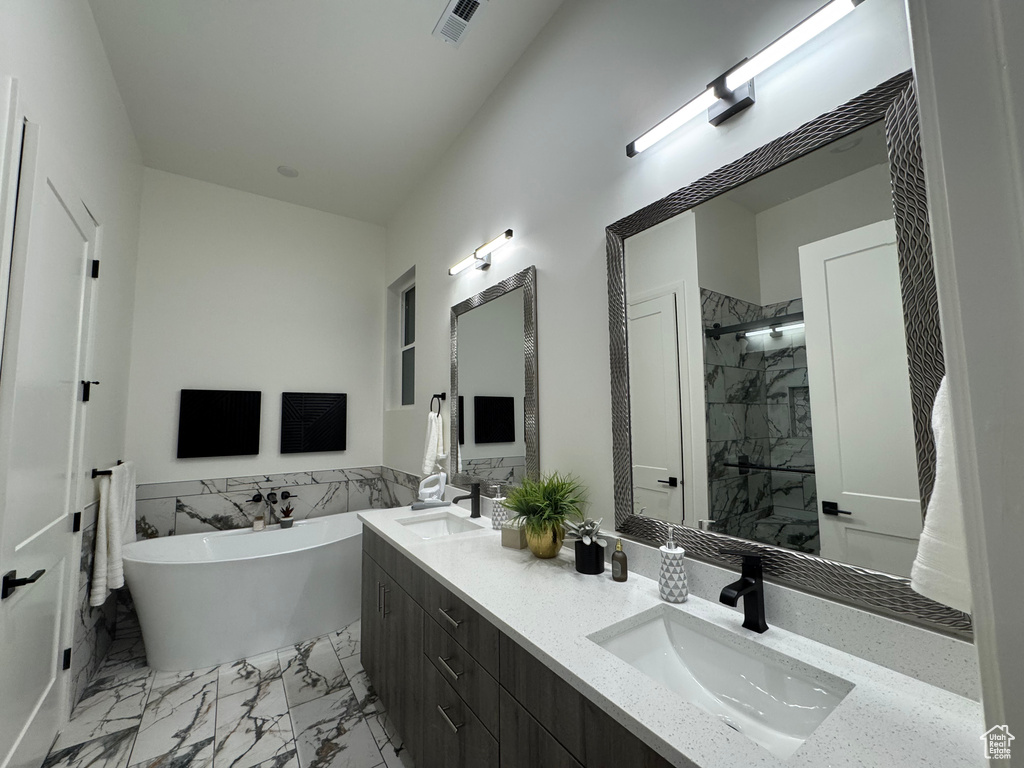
{"x": 208, "y": 598}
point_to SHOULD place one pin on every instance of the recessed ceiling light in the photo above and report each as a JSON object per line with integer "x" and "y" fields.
{"x": 287, "y": 171}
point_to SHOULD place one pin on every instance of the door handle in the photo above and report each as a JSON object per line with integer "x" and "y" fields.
{"x": 453, "y": 726}
{"x": 11, "y": 582}
{"x": 379, "y": 585}
{"x": 672, "y": 482}
{"x": 832, "y": 508}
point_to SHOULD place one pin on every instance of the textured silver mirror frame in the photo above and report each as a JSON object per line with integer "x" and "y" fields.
{"x": 895, "y": 102}
{"x": 527, "y": 280}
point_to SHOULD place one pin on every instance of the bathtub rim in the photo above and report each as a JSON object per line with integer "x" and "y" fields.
{"x": 127, "y": 549}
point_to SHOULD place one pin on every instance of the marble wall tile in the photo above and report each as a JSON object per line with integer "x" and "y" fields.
{"x": 182, "y": 488}
{"x": 155, "y": 517}
{"x": 369, "y": 493}
{"x": 784, "y": 531}
{"x": 401, "y": 493}
{"x": 726, "y": 421}
{"x": 266, "y": 482}
{"x": 779, "y": 420}
{"x": 216, "y": 512}
{"x": 400, "y": 477}
{"x": 792, "y": 452}
{"x": 780, "y": 381}
{"x": 729, "y": 496}
{"x": 759, "y": 491}
{"x": 714, "y": 383}
{"x": 800, "y": 411}
{"x": 743, "y": 385}
{"x": 810, "y": 495}
{"x": 311, "y": 501}
{"x": 755, "y": 423}
{"x": 787, "y": 489}
{"x": 781, "y": 308}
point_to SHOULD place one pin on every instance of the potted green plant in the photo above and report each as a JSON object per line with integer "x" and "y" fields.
{"x": 541, "y": 508}
{"x": 286, "y": 516}
{"x": 589, "y": 545}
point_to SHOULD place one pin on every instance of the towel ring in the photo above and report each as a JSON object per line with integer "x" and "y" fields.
{"x": 440, "y": 398}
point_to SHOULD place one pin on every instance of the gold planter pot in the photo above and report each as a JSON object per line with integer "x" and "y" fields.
{"x": 547, "y": 543}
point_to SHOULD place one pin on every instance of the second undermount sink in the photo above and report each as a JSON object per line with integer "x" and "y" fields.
{"x": 773, "y": 699}
{"x": 435, "y": 524}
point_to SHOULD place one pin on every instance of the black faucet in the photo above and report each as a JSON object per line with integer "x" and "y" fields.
{"x": 750, "y": 587}
{"x": 474, "y": 499}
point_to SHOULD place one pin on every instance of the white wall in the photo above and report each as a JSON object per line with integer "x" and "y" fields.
{"x": 545, "y": 156}
{"x": 54, "y": 51}
{"x": 230, "y": 289}
{"x": 727, "y": 258}
{"x": 492, "y": 363}
{"x": 855, "y": 201}
{"x": 974, "y": 168}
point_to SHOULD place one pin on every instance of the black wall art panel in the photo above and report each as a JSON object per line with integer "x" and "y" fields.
{"x": 313, "y": 421}
{"x": 494, "y": 419}
{"x": 218, "y": 422}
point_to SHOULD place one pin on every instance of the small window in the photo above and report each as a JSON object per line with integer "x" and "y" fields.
{"x": 408, "y": 326}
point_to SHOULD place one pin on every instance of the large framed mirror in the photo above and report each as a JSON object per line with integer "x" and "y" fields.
{"x": 493, "y": 407}
{"x": 775, "y": 353}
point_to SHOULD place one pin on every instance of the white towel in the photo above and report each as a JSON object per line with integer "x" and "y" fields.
{"x": 434, "y": 452}
{"x": 115, "y": 527}
{"x": 940, "y": 569}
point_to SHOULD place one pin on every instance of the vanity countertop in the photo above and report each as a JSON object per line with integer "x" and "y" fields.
{"x": 888, "y": 719}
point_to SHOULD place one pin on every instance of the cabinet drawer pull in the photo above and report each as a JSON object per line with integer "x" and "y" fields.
{"x": 379, "y": 585}
{"x": 444, "y": 714}
{"x": 444, "y": 663}
{"x": 384, "y": 603}
{"x": 451, "y": 621}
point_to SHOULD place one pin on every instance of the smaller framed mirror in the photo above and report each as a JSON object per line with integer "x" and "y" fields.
{"x": 493, "y": 404}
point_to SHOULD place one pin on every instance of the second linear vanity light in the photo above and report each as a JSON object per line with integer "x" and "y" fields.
{"x": 734, "y": 91}
{"x": 481, "y": 257}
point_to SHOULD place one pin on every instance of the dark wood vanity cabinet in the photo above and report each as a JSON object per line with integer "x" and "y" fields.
{"x": 462, "y": 694}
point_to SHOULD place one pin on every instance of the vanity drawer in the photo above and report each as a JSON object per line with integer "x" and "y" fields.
{"x": 474, "y": 633}
{"x": 525, "y": 743}
{"x": 453, "y": 737}
{"x": 463, "y": 673}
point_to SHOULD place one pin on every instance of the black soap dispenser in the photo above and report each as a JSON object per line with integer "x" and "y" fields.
{"x": 620, "y": 569}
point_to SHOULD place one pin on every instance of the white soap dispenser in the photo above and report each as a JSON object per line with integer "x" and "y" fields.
{"x": 672, "y": 577}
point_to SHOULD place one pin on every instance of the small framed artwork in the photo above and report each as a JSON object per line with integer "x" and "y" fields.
{"x": 313, "y": 422}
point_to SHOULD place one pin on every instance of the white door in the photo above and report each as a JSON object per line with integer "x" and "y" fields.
{"x": 655, "y": 419}
{"x": 39, "y": 403}
{"x": 864, "y": 452}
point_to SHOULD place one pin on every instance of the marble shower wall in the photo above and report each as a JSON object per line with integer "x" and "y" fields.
{"x": 737, "y": 418}
{"x": 758, "y": 406}
{"x": 94, "y": 627}
{"x": 199, "y": 506}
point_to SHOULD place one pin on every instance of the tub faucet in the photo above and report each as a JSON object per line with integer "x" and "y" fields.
{"x": 474, "y": 499}
{"x": 750, "y": 588}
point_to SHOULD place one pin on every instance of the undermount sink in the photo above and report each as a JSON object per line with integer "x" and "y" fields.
{"x": 436, "y": 524}
{"x": 773, "y": 699}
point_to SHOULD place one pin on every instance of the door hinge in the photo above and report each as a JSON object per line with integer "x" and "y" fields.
{"x": 76, "y": 522}
{"x": 67, "y": 658}
{"x": 87, "y": 390}
{"x": 95, "y": 267}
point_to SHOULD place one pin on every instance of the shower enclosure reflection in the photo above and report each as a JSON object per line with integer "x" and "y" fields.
{"x": 769, "y": 388}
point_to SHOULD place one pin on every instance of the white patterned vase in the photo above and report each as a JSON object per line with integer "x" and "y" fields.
{"x": 499, "y": 514}
{"x": 672, "y": 578}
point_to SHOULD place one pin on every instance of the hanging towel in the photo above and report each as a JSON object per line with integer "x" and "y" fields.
{"x": 115, "y": 527}
{"x": 434, "y": 452}
{"x": 940, "y": 569}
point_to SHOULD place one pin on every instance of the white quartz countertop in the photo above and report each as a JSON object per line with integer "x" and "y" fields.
{"x": 888, "y": 719}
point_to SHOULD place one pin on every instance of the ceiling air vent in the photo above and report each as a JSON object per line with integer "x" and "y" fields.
{"x": 453, "y": 22}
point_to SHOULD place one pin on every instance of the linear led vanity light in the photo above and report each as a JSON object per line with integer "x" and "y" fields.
{"x": 775, "y": 330}
{"x": 481, "y": 257}
{"x": 734, "y": 91}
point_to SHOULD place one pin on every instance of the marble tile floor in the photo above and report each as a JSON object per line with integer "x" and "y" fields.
{"x": 305, "y": 706}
